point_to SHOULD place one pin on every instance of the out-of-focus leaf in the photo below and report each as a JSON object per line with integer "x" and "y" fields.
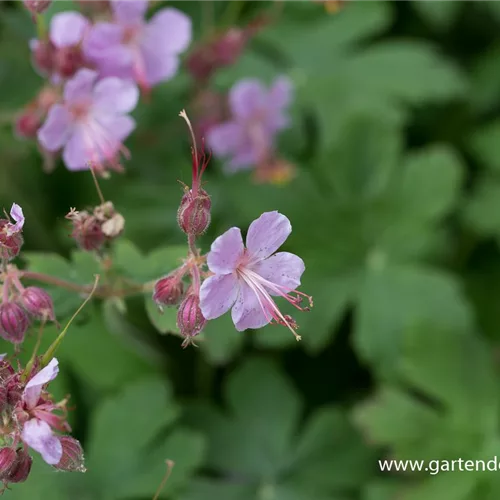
{"x": 258, "y": 440}
{"x": 484, "y": 145}
{"x": 482, "y": 210}
{"x": 164, "y": 322}
{"x": 221, "y": 340}
{"x": 440, "y": 14}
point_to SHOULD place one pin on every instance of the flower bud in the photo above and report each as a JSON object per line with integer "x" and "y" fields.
{"x": 193, "y": 215}
{"x": 14, "y": 322}
{"x": 8, "y": 457}
{"x": 67, "y": 61}
{"x": 21, "y": 469}
{"x": 10, "y": 243}
{"x": 38, "y": 303}
{"x": 3, "y": 398}
{"x": 42, "y": 56}
{"x": 168, "y": 291}
{"x": 87, "y": 231}
{"x": 190, "y": 319}
{"x": 27, "y": 124}
{"x": 37, "y": 6}
{"x": 72, "y": 455}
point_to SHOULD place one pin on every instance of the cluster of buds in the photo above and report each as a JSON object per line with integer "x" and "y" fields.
{"x": 92, "y": 230}
{"x": 11, "y": 238}
{"x": 20, "y": 305}
{"x": 30, "y": 419}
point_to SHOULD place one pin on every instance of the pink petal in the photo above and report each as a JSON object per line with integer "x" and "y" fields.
{"x": 16, "y": 212}
{"x": 281, "y": 92}
{"x": 246, "y": 157}
{"x": 267, "y": 233}
{"x": 171, "y": 31}
{"x": 114, "y": 95}
{"x": 103, "y": 46}
{"x": 129, "y": 11}
{"x": 34, "y": 387}
{"x": 217, "y": 295}
{"x": 157, "y": 67}
{"x": 67, "y": 28}
{"x": 55, "y": 131}
{"x": 76, "y": 154}
{"x": 247, "y": 98}
{"x": 247, "y": 311}
{"x": 80, "y": 86}
{"x": 226, "y": 252}
{"x": 38, "y": 435}
{"x": 283, "y": 268}
{"x": 119, "y": 127}
{"x": 224, "y": 138}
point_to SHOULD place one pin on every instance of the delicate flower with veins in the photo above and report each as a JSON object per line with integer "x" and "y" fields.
{"x": 61, "y": 55}
{"x": 246, "y": 279}
{"x": 11, "y": 239}
{"x": 258, "y": 114}
{"x": 131, "y": 47}
{"x": 92, "y": 122}
{"x": 36, "y": 415}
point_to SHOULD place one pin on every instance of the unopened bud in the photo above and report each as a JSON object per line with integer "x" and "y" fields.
{"x": 37, "y": 6}
{"x": 38, "y": 303}
{"x": 10, "y": 243}
{"x": 193, "y": 215}
{"x": 42, "y": 56}
{"x": 72, "y": 455}
{"x": 27, "y": 124}
{"x": 87, "y": 231}
{"x": 21, "y": 469}
{"x": 14, "y": 322}
{"x": 67, "y": 61}
{"x": 168, "y": 291}
{"x": 190, "y": 319}
{"x": 8, "y": 457}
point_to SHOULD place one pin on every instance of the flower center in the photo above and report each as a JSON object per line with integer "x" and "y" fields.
{"x": 79, "y": 110}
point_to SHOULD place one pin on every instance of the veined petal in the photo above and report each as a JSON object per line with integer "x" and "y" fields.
{"x": 68, "y": 28}
{"x": 34, "y": 386}
{"x": 38, "y": 435}
{"x": 16, "y": 212}
{"x": 114, "y": 95}
{"x": 283, "y": 269}
{"x": 226, "y": 252}
{"x": 217, "y": 295}
{"x": 267, "y": 233}
{"x": 56, "y": 130}
{"x": 247, "y": 311}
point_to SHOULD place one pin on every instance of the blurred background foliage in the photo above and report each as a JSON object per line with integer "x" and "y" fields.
{"x": 395, "y": 209}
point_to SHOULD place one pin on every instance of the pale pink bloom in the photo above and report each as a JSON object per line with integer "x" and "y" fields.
{"x": 257, "y": 115}
{"x": 16, "y": 212}
{"x": 92, "y": 122}
{"x": 37, "y": 432}
{"x": 132, "y": 47}
{"x": 246, "y": 279}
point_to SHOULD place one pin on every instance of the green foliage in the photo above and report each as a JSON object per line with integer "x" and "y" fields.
{"x": 395, "y": 209}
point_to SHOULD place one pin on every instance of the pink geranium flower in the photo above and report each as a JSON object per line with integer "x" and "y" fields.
{"x": 246, "y": 279}
{"x": 257, "y": 115}
{"x": 92, "y": 122}
{"x": 37, "y": 430}
{"x": 131, "y": 47}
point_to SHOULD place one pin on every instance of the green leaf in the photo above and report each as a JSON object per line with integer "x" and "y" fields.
{"x": 221, "y": 340}
{"x": 259, "y": 441}
{"x": 363, "y": 158}
{"x": 438, "y": 13}
{"x": 484, "y": 145}
{"x": 482, "y": 210}
{"x": 164, "y": 322}
{"x": 396, "y": 299}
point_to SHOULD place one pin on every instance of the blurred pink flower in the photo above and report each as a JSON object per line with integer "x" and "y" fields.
{"x": 258, "y": 114}
{"x": 92, "y": 122}
{"x": 245, "y": 279}
{"x": 61, "y": 55}
{"x": 131, "y": 47}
